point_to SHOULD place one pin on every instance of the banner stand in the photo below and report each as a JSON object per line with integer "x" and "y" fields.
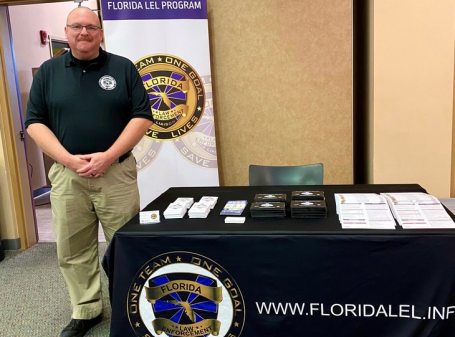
{"x": 168, "y": 42}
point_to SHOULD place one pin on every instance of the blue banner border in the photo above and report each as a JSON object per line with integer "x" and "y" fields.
{"x": 154, "y": 10}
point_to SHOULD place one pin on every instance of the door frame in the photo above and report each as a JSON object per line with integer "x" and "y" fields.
{"x": 16, "y": 194}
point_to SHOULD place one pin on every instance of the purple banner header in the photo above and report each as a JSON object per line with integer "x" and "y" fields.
{"x": 158, "y": 9}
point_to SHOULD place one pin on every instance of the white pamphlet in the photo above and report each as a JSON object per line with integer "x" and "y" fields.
{"x": 418, "y": 210}
{"x": 364, "y": 211}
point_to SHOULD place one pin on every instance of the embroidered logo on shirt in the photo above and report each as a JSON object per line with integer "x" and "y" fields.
{"x": 107, "y": 82}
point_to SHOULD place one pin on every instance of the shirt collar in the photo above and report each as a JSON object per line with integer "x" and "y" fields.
{"x": 103, "y": 56}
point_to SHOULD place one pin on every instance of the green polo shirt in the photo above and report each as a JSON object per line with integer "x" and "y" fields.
{"x": 88, "y": 107}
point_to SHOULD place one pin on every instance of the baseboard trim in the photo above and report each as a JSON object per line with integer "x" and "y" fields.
{"x": 11, "y": 244}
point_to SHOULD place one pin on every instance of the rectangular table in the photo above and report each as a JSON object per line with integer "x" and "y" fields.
{"x": 279, "y": 277}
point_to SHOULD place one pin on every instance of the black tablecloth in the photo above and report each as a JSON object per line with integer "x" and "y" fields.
{"x": 279, "y": 277}
{"x": 214, "y": 224}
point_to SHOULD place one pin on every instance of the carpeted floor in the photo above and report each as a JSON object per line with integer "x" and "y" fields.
{"x": 34, "y": 300}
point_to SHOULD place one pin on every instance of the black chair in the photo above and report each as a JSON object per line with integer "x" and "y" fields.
{"x": 286, "y": 175}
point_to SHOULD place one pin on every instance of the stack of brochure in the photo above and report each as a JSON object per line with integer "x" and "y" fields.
{"x": 211, "y": 201}
{"x": 199, "y": 210}
{"x": 418, "y": 210}
{"x": 364, "y": 210}
{"x": 174, "y": 211}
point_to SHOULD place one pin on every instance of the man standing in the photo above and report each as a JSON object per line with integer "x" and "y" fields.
{"x": 87, "y": 110}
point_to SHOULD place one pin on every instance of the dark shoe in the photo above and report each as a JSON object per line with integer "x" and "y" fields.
{"x": 79, "y": 327}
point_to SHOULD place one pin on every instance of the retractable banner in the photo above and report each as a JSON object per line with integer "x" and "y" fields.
{"x": 169, "y": 44}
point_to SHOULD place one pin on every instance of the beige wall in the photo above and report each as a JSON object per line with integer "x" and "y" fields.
{"x": 282, "y": 74}
{"x": 413, "y": 75}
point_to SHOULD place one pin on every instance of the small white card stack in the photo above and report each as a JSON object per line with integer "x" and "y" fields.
{"x": 199, "y": 210}
{"x": 184, "y": 201}
{"x": 175, "y": 211}
{"x": 211, "y": 201}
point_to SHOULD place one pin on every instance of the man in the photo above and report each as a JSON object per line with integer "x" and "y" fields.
{"x": 87, "y": 110}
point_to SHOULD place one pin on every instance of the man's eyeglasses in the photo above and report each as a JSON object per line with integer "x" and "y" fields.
{"x": 78, "y": 28}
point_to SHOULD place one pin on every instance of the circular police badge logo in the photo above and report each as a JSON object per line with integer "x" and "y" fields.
{"x": 185, "y": 294}
{"x": 107, "y": 82}
{"x": 176, "y": 94}
{"x": 199, "y": 146}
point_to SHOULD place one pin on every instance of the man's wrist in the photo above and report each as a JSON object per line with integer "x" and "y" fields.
{"x": 110, "y": 156}
{"x": 65, "y": 159}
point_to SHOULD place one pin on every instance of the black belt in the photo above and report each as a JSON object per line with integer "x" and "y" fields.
{"x": 123, "y": 157}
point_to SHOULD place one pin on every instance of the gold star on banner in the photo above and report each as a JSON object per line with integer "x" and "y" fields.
{"x": 199, "y": 108}
{"x": 159, "y": 59}
{"x": 236, "y": 324}
{"x": 138, "y": 324}
{"x": 179, "y": 259}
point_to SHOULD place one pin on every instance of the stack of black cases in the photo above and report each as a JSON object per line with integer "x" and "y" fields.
{"x": 308, "y": 204}
{"x": 270, "y": 205}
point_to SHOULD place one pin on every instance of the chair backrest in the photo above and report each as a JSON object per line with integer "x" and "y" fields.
{"x": 286, "y": 175}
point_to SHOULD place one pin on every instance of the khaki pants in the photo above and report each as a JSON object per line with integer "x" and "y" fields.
{"x": 77, "y": 206}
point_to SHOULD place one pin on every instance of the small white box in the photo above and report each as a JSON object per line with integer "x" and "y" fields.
{"x": 232, "y": 219}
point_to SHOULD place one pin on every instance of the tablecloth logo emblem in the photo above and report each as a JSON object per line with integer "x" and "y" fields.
{"x": 185, "y": 294}
{"x": 199, "y": 146}
{"x": 107, "y": 82}
{"x": 176, "y": 94}
{"x": 184, "y": 302}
